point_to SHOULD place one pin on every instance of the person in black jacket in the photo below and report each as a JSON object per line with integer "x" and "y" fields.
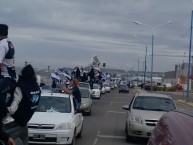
{"x": 25, "y": 101}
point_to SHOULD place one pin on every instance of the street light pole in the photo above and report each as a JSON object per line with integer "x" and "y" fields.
{"x": 152, "y": 65}
{"x": 152, "y": 29}
{"x": 145, "y": 68}
{"x": 189, "y": 62}
{"x": 138, "y": 72}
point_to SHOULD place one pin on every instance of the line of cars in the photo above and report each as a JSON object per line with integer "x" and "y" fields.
{"x": 57, "y": 119}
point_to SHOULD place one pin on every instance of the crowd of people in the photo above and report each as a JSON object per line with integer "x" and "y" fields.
{"x": 19, "y": 94}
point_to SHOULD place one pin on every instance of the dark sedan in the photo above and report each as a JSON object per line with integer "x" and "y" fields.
{"x": 123, "y": 88}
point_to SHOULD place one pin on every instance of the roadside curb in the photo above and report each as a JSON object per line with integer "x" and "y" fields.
{"x": 185, "y": 102}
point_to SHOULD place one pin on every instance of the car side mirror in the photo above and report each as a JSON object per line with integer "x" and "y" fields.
{"x": 126, "y": 107}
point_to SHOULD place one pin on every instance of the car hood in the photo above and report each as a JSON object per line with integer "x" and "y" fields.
{"x": 50, "y": 118}
{"x": 147, "y": 115}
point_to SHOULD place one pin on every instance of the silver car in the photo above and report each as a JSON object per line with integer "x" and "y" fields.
{"x": 144, "y": 112}
{"x": 86, "y": 101}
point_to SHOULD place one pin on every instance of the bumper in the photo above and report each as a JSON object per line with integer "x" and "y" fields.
{"x": 140, "y": 130}
{"x": 51, "y": 137}
{"x": 96, "y": 96}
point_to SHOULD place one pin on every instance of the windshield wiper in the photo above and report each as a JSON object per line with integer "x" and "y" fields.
{"x": 158, "y": 110}
{"x": 140, "y": 108}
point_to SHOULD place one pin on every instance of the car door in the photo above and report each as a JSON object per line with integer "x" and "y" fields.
{"x": 78, "y": 118}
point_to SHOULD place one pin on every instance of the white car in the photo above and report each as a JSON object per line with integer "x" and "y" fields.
{"x": 144, "y": 112}
{"x": 107, "y": 87}
{"x": 96, "y": 93}
{"x": 86, "y": 101}
{"x": 56, "y": 120}
{"x": 103, "y": 90}
{"x": 85, "y": 85}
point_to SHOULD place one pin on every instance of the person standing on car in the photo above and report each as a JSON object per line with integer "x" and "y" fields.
{"x": 25, "y": 101}
{"x": 7, "y": 70}
{"x": 53, "y": 85}
{"x": 75, "y": 91}
{"x": 7, "y": 51}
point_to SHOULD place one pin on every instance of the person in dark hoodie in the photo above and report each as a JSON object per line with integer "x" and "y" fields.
{"x": 25, "y": 101}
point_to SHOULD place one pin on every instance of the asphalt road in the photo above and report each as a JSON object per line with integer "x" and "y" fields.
{"x": 106, "y": 125}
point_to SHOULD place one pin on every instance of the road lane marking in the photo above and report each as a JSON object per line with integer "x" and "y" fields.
{"x": 116, "y": 112}
{"x": 111, "y": 136}
{"x": 96, "y": 139}
{"x": 122, "y": 97}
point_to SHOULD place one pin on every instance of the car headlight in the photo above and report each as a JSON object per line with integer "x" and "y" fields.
{"x": 65, "y": 126}
{"x": 135, "y": 119}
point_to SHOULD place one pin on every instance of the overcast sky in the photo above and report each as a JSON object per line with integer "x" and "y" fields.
{"x": 69, "y": 32}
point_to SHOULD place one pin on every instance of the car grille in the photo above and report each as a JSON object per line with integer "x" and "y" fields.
{"x": 41, "y": 126}
{"x": 151, "y": 122}
{"x": 149, "y": 134}
{"x": 47, "y": 139}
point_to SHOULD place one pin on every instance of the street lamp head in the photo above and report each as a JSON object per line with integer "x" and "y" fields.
{"x": 136, "y": 22}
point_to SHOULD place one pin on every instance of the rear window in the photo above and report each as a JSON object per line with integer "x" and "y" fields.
{"x": 84, "y": 93}
{"x": 54, "y": 104}
{"x": 84, "y": 85}
{"x": 123, "y": 87}
{"x": 96, "y": 86}
{"x": 153, "y": 103}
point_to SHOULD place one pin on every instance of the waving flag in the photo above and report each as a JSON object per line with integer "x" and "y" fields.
{"x": 55, "y": 76}
{"x": 65, "y": 73}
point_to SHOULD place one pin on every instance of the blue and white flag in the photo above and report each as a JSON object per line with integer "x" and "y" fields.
{"x": 104, "y": 77}
{"x": 55, "y": 76}
{"x": 65, "y": 73}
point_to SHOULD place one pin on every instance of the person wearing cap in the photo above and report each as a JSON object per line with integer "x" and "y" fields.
{"x": 7, "y": 70}
{"x": 7, "y": 52}
{"x": 7, "y": 75}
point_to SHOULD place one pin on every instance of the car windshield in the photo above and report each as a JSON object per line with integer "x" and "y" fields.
{"x": 84, "y": 93}
{"x": 123, "y": 87}
{"x": 84, "y": 85}
{"x": 153, "y": 103}
{"x": 54, "y": 104}
{"x": 96, "y": 86}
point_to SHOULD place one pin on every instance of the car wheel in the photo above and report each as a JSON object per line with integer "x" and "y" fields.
{"x": 80, "y": 133}
{"x": 89, "y": 113}
{"x": 74, "y": 138}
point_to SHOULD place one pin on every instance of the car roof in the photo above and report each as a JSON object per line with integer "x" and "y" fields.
{"x": 83, "y": 83}
{"x": 152, "y": 95}
{"x": 82, "y": 88}
{"x": 62, "y": 95}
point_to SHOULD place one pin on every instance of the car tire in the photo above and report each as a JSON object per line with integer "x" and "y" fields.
{"x": 128, "y": 137}
{"x": 74, "y": 139}
{"x": 80, "y": 133}
{"x": 89, "y": 113}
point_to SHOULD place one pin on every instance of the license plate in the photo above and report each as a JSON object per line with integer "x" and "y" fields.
{"x": 39, "y": 136}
